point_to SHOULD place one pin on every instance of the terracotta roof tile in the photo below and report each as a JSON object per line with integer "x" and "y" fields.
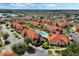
{"x": 53, "y": 27}
{"x": 7, "y": 53}
{"x": 58, "y": 38}
{"x": 61, "y": 23}
{"x": 32, "y": 34}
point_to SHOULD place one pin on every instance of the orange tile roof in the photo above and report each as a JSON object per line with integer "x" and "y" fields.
{"x": 13, "y": 23}
{"x": 77, "y": 28}
{"x": 53, "y": 27}
{"x": 32, "y": 34}
{"x": 7, "y": 53}
{"x": 18, "y": 26}
{"x": 61, "y": 23}
{"x": 34, "y": 22}
{"x": 54, "y": 38}
{"x": 24, "y": 32}
{"x": 48, "y": 21}
{"x": 67, "y": 19}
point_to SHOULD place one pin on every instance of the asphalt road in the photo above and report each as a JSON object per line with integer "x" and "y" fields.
{"x": 11, "y": 38}
{"x": 74, "y": 36}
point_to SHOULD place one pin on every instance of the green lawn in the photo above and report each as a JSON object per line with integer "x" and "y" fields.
{"x": 15, "y": 34}
{"x": 50, "y": 52}
{"x": 28, "y": 25}
{"x": 51, "y": 47}
{"x": 32, "y": 26}
{"x": 66, "y": 32}
{"x": 57, "y": 47}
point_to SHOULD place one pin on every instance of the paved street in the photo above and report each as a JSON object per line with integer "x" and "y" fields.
{"x": 74, "y": 36}
{"x": 11, "y": 38}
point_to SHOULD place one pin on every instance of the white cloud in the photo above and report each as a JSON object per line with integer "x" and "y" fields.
{"x": 38, "y": 6}
{"x": 17, "y": 5}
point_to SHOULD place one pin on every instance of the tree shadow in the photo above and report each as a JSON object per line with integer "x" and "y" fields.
{"x": 31, "y": 50}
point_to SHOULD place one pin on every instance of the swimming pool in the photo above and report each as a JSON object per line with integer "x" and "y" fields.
{"x": 44, "y": 34}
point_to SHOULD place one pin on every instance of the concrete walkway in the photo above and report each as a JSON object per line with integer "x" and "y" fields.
{"x": 39, "y": 51}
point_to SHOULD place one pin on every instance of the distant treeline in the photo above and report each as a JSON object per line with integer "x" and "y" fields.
{"x": 25, "y": 11}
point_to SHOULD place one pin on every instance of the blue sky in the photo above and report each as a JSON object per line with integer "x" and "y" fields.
{"x": 39, "y": 6}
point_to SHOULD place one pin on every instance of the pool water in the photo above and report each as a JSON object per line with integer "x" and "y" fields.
{"x": 44, "y": 34}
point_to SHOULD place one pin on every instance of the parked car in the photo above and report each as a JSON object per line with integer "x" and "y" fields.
{"x": 12, "y": 30}
{"x": 19, "y": 37}
{"x": 8, "y": 28}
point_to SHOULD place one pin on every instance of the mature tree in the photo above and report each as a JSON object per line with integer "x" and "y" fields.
{"x": 33, "y": 16}
{"x": 65, "y": 26}
{"x": 41, "y": 17}
{"x": 19, "y": 49}
{"x": 67, "y": 15}
{"x": 5, "y": 35}
{"x": 27, "y": 40}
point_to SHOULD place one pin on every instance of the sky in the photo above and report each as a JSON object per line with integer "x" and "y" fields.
{"x": 39, "y": 5}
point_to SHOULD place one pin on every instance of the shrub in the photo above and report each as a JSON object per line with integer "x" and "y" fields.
{"x": 45, "y": 45}
{"x": 49, "y": 52}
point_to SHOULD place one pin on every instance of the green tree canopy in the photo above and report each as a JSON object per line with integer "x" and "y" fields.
{"x": 5, "y": 35}
{"x": 19, "y": 49}
{"x": 41, "y": 17}
{"x": 72, "y": 50}
{"x": 27, "y": 40}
